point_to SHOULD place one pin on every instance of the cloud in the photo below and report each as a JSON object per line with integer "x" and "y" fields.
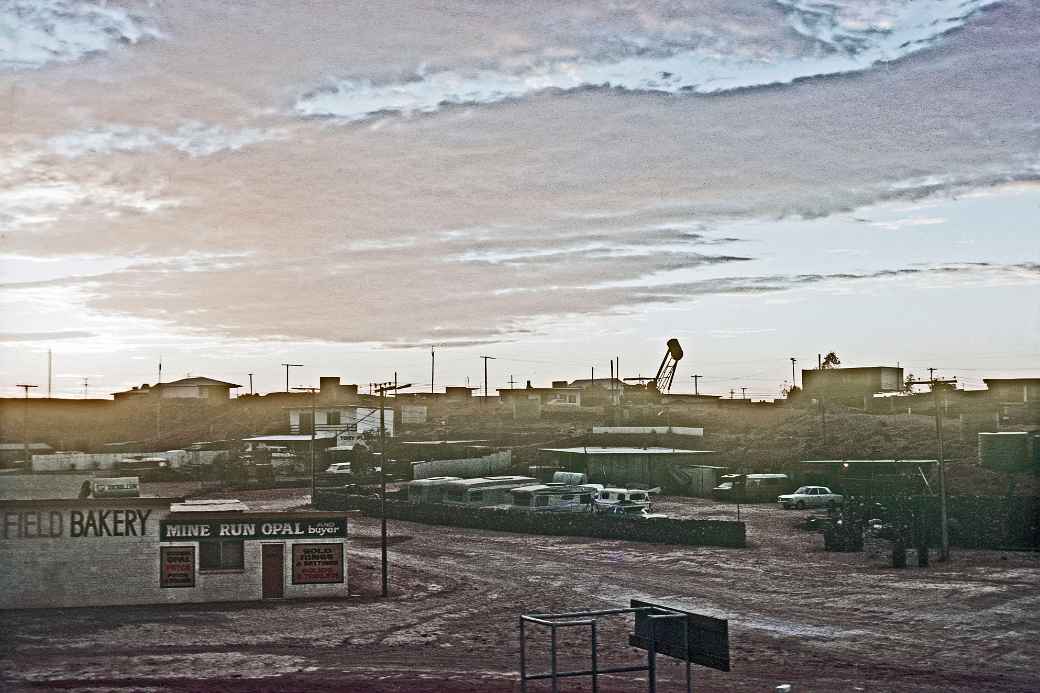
{"x": 192, "y": 138}
{"x": 44, "y": 336}
{"x": 36, "y": 33}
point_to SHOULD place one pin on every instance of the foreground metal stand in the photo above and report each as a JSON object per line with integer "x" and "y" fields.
{"x": 589, "y": 618}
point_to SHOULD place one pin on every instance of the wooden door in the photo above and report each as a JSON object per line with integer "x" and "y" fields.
{"x": 273, "y": 571}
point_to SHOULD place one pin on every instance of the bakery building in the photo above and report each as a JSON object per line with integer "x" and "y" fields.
{"x": 70, "y": 552}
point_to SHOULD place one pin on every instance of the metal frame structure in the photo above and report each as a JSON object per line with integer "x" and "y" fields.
{"x": 589, "y": 618}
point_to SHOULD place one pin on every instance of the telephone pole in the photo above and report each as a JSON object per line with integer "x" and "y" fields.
{"x": 937, "y": 386}
{"x": 25, "y": 424}
{"x": 250, "y": 383}
{"x": 695, "y": 379}
{"x": 794, "y": 382}
{"x": 485, "y": 376}
{"x": 743, "y": 393}
{"x": 287, "y": 367}
{"x": 314, "y": 428}
{"x": 433, "y": 363}
{"x": 382, "y": 389}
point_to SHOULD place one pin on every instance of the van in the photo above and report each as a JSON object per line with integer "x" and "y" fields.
{"x": 765, "y": 487}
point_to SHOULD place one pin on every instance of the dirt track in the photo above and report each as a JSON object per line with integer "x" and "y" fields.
{"x": 820, "y": 621}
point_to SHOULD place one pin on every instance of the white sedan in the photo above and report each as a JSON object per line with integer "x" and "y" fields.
{"x": 810, "y": 497}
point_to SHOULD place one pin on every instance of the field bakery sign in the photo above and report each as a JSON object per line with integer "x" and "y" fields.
{"x": 253, "y": 528}
{"x": 53, "y": 524}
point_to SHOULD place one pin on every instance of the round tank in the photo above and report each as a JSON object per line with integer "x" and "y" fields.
{"x": 674, "y": 349}
{"x": 1004, "y": 451}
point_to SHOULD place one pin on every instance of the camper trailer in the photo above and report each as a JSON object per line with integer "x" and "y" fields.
{"x": 622, "y": 500}
{"x": 553, "y": 498}
{"x": 483, "y": 491}
{"x": 429, "y": 490}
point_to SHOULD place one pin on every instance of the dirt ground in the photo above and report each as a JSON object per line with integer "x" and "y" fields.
{"x": 819, "y": 621}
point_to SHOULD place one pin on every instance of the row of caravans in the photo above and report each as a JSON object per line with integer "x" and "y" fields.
{"x": 568, "y": 492}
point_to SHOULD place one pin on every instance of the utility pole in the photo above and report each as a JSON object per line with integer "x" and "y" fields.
{"x": 50, "y": 371}
{"x": 25, "y": 425}
{"x": 250, "y": 383}
{"x": 937, "y": 386}
{"x": 485, "y": 376}
{"x": 743, "y": 393}
{"x": 731, "y": 393}
{"x": 511, "y": 381}
{"x": 695, "y": 379}
{"x": 86, "y": 381}
{"x": 314, "y": 428}
{"x": 287, "y": 367}
{"x": 433, "y": 363}
{"x": 382, "y": 389}
{"x": 794, "y": 381}
{"x": 931, "y": 374}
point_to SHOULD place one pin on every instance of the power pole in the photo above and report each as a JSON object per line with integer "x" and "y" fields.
{"x": 696, "y": 391}
{"x": 485, "y": 376}
{"x": 937, "y": 386}
{"x": 86, "y": 381}
{"x": 250, "y": 383}
{"x": 931, "y": 374}
{"x": 25, "y": 424}
{"x": 382, "y": 389}
{"x": 511, "y": 381}
{"x": 287, "y": 367}
{"x": 314, "y": 428}
{"x": 743, "y": 393}
{"x": 50, "y": 371}
{"x": 794, "y": 382}
{"x": 433, "y": 362}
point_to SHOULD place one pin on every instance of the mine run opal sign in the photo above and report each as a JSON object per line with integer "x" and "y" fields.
{"x": 316, "y": 564}
{"x": 250, "y": 527}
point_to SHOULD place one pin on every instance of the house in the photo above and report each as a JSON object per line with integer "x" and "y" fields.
{"x": 1013, "y": 390}
{"x": 208, "y": 389}
{"x": 341, "y": 419}
{"x": 528, "y": 402}
{"x": 852, "y": 385}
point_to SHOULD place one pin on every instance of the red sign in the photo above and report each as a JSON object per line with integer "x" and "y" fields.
{"x": 177, "y": 566}
{"x": 316, "y": 564}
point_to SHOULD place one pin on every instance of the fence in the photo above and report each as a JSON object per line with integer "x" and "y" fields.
{"x": 724, "y": 533}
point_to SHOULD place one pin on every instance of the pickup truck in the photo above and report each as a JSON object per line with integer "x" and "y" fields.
{"x": 810, "y": 497}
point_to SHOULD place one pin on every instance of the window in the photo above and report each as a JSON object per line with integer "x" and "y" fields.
{"x": 332, "y": 418}
{"x": 306, "y": 422}
{"x": 221, "y": 555}
{"x": 541, "y": 500}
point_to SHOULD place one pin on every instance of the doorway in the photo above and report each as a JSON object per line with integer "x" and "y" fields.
{"x": 273, "y": 571}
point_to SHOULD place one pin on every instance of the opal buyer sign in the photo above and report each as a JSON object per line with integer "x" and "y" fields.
{"x": 253, "y": 528}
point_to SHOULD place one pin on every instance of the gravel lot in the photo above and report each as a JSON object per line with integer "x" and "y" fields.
{"x": 819, "y": 621}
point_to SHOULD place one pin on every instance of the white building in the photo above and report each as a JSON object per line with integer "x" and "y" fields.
{"x": 339, "y": 419}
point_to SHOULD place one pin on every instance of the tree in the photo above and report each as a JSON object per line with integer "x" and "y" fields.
{"x": 908, "y": 384}
{"x": 831, "y": 360}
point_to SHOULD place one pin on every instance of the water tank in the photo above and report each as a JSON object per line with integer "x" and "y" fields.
{"x": 674, "y": 349}
{"x": 1005, "y": 451}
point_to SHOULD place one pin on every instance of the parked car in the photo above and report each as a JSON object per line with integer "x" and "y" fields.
{"x": 810, "y": 497}
{"x": 338, "y": 468}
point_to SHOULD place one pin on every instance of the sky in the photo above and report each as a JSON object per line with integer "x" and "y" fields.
{"x": 228, "y": 186}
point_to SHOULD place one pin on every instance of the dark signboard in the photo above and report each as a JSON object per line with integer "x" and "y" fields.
{"x": 249, "y": 527}
{"x": 707, "y": 637}
{"x": 317, "y": 564}
{"x": 177, "y": 566}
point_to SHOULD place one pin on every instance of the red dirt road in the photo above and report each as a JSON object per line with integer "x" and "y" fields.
{"x": 822, "y": 622}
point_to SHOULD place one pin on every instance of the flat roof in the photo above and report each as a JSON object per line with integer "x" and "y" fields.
{"x": 441, "y": 442}
{"x": 869, "y": 462}
{"x": 591, "y": 450}
{"x": 494, "y": 481}
{"x": 536, "y": 488}
{"x": 291, "y": 438}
